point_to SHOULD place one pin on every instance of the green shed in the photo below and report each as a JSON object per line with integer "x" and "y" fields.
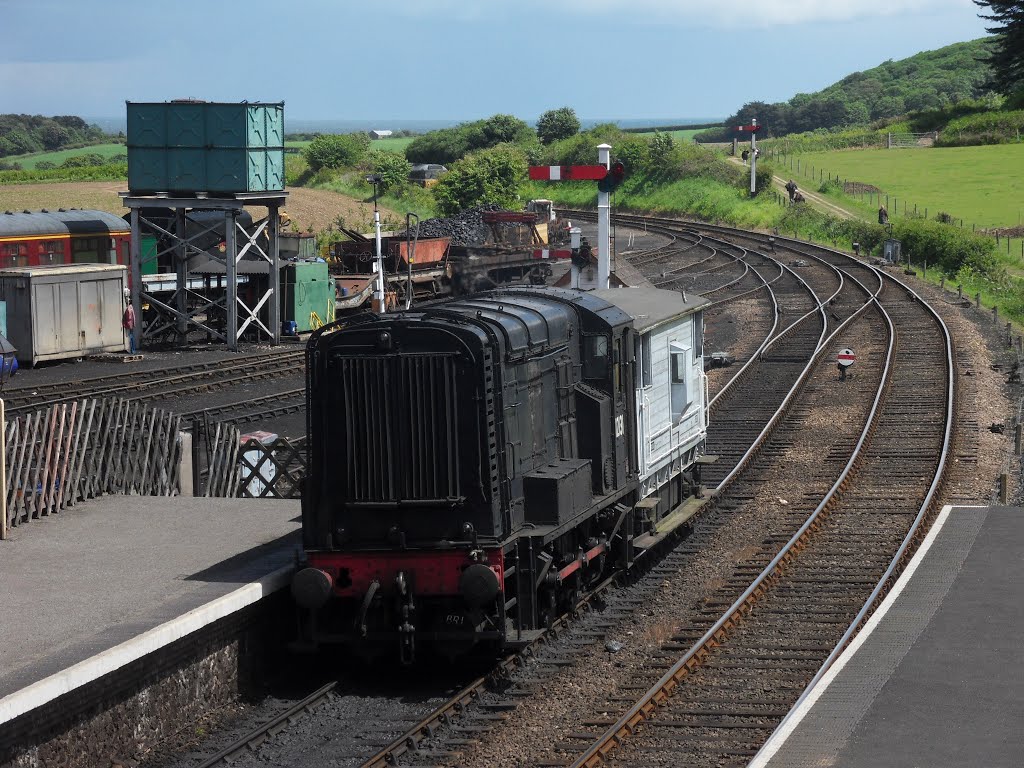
{"x": 307, "y": 295}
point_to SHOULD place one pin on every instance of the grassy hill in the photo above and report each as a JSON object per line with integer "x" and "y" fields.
{"x": 931, "y": 80}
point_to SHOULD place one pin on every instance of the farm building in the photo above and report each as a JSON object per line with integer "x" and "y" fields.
{"x": 380, "y": 134}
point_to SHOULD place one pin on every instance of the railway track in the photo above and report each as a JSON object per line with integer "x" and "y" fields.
{"x": 742, "y": 672}
{"x": 160, "y": 383}
{"x": 865, "y": 324}
{"x": 671, "y": 562}
{"x": 787, "y": 660}
{"x": 455, "y": 711}
{"x": 253, "y": 408}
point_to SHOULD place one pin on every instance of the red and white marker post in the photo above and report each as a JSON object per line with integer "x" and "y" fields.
{"x": 844, "y": 360}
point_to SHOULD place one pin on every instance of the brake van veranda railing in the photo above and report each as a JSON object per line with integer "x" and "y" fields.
{"x": 74, "y": 451}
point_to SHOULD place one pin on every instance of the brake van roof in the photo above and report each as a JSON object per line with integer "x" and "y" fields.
{"x": 650, "y": 307}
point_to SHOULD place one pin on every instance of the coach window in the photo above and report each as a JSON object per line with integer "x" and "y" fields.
{"x": 595, "y": 356}
{"x": 55, "y": 248}
{"x": 698, "y": 336}
{"x": 680, "y": 358}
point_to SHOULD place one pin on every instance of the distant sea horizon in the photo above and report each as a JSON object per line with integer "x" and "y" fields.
{"x": 298, "y": 125}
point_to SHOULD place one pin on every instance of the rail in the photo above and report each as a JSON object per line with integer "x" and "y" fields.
{"x": 701, "y": 650}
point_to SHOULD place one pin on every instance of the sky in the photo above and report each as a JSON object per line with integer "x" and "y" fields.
{"x": 455, "y": 59}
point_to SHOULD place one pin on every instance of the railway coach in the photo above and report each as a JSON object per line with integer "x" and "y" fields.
{"x": 476, "y": 465}
{"x": 64, "y": 236}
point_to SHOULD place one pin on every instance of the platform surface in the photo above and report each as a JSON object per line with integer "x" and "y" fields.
{"x": 105, "y": 571}
{"x": 936, "y": 678}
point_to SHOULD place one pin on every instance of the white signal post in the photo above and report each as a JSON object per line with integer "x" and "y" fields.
{"x": 753, "y": 158}
{"x": 378, "y": 290}
{"x": 575, "y": 234}
{"x": 604, "y": 223}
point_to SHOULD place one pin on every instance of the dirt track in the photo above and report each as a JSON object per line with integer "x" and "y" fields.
{"x": 314, "y": 209}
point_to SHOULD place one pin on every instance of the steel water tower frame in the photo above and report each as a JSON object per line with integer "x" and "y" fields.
{"x": 218, "y": 159}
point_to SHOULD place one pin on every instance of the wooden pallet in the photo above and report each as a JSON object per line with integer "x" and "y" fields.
{"x": 113, "y": 357}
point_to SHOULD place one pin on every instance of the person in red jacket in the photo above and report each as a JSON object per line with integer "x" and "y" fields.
{"x": 128, "y": 323}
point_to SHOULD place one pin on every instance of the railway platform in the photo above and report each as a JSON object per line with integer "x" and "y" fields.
{"x": 936, "y": 677}
{"x": 111, "y": 580}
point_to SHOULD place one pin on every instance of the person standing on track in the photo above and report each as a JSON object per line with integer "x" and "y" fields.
{"x": 128, "y": 323}
{"x": 791, "y": 189}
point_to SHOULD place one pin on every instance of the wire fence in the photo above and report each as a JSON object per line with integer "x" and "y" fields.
{"x": 1008, "y": 240}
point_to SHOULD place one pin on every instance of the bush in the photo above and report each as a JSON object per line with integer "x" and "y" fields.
{"x": 950, "y": 248}
{"x": 556, "y": 124}
{"x": 392, "y": 168}
{"x": 85, "y": 161}
{"x": 993, "y": 127}
{"x": 86, "y": 173}
{"x": 447, "y": 145}
{"x": 490, "y": 176}
{"x": 336, "y": 151}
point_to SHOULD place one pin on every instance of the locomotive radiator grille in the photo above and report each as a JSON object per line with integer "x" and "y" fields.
{"x": 399, "y": 421}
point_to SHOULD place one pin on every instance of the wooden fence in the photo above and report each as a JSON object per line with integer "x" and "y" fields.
{"x": 74, "y": 451}
{"x": 84, "y": 449}
{"x": 247, "y": 468}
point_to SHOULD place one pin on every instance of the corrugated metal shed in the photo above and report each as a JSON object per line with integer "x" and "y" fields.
{"x": 59, "y": 222}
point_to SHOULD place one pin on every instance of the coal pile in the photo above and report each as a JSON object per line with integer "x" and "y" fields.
{"x": 467, "y": 228}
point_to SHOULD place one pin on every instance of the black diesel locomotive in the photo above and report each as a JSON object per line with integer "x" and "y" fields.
{"x": 474, "y": 465}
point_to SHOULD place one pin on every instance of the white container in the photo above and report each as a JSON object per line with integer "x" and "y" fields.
{"x": 66, "y": 311}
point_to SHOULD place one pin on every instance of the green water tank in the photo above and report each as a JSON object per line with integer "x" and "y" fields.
{"x": 190, "y": 147}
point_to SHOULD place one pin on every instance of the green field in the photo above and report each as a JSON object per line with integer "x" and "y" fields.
{"x": 984, "y": 186}
{"x": 686, "y": 135}
{"x": 28, "y": 162}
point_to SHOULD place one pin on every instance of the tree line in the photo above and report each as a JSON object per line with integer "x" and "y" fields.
{"x": 24, "y": 134}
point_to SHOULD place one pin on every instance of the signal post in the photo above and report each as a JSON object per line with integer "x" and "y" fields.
{"x": 752, "y": 130}
{"x": 608, "y": 177}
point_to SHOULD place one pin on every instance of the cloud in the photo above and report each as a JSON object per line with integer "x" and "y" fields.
{"x": 692, "y": 13}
